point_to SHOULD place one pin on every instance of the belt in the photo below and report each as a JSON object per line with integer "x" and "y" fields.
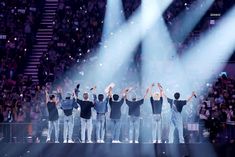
{"x": 101, "y": 113}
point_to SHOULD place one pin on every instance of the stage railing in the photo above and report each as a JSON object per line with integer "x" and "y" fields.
{"x": 30, "y": 132}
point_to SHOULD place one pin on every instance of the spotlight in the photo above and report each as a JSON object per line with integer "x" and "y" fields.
{"x": 81, "y": 73}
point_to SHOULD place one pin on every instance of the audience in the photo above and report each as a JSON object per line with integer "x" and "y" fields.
{"x": 77, "y": 32}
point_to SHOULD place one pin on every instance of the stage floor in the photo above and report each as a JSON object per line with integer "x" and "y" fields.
{"x": 116, "y": 150}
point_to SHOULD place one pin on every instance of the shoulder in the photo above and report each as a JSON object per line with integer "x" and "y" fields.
{"x": 169, "y": 100}
{"x": 183, "y": 102}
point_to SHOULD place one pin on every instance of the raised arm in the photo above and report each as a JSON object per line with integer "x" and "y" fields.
{"x": 146, "y": 93}
{"x": 47, "y": 96}
{"x": 93, "y": 90}
{"x": 110, "y": 92}
{"x": 193, "y": 95}
{"x": 125, "y": 92}
{"x": 160, "y": 89}
{"x": 150, "y": 89}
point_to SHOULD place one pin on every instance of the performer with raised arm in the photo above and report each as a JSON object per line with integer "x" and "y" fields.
{"x": 101, "y": 107}
{"x": 176, "y": 117}
{"x": 156, "y": 101}
{"x": 134, "y": 115}
{"x": 67, "y": 105}
{"x": 53, "y": 116}
{"x": 86, "y": 121}
{"x": 115, "y": 115}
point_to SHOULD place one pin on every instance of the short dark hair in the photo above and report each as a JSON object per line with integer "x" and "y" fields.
{"x": 100, "y": 97}
{"x": 177, "y": 95}
{"x": 115, "y": 97}
{"x": 52, "y": 96}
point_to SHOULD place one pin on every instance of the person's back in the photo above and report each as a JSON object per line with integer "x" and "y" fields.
{"x": 134, "y": 107}
{"x": 100, "y": 104}
{"x": 52, "y": 110}
{"x": 115, "y": 108}
{"x": 177, "y": 105}
{"x": 53, "y": 117}
{"x": 67, "y": 106}
{"x": 86, "y": 121}
{"x": 176, "y": 118}
{"x": 156, "y": 105}
{"x": 86, "y": 106}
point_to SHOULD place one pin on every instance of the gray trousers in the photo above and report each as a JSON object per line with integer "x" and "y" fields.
{"x": 134, "y": 128}
{"x": 157, "y": 127}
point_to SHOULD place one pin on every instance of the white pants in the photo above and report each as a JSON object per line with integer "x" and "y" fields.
{"x": 51, "y": 125}
{"x": 86, "y": 124}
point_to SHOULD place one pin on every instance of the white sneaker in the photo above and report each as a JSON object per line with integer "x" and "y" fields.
{"x": 89, "y": 142}
{"x": 136, "y": 141}
{"x": 65, "y": 141}
{"x": 130, "y": 141}
{"x": 57, "y": 142}
{"x": 101, "y": 141}
{"x": 98, "y": 141}
{"x": 70, "y": 141}
{"x": 159, "y": 141}
{"x": 37, "y": 140}
{"x": 154, "y": 141}
{"x": 48, "y": 140}
{"x": 114, "y": 141}
{"x": 119, "y": 141}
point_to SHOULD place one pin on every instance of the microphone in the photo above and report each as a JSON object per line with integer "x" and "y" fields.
{"x": 91, "y": 88}
{"x": 195, "y": 96}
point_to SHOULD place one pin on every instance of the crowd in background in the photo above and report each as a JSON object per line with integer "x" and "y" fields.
{"x": 217, "y": 108}
{"x": 77, "y": 32}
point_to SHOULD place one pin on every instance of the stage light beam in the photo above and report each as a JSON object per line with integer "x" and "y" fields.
{"x": 207, "y": 58}
{"x": 183, "y": 24}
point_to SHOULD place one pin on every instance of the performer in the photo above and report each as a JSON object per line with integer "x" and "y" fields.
{"x": 53, "y": 116}
{"x": 176, "y": 117}
{"x": 101, "y": 107}
{"x": 67, "y": 106}
{"x": 115, "y": 115}
{"x": 134, "y": 116}
{"x": 86, "y": 121}
{"x": 156, "y": 101}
